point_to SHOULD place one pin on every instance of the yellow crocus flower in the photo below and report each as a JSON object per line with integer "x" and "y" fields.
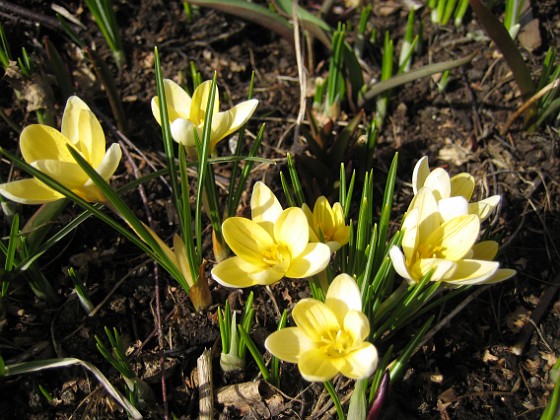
{"x": 273, "y": 244}
{"x": 444, "y": 186}
{"x": 46, "y": 149}
{"x": 440, "y": 236}
{"x": 329, "y": 337}
{"x": 327, "y": 224}
{"x": 187, "y": 114}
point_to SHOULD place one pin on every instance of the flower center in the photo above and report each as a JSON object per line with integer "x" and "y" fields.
{"x": 429, "y": 251}
{"x": 275, "y": 255}
{"x": 337, "y": 343}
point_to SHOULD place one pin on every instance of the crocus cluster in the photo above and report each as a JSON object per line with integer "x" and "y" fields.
{"x": 46, "y": 149}
{"x": 271, "y": 245}
{"x": 441, "y": 229}
{"x": 329, "y": 337}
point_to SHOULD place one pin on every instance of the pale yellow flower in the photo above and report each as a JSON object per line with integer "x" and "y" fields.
{"x": 329, "y": 337}
{"x": 440, "y": 237}
{"x": 46, "y": 149}
{"x": 443, "y": 186}
{"x": 327, "y": 224}
{"x": 187, "y": 114}
{"x": 274, "y": 244}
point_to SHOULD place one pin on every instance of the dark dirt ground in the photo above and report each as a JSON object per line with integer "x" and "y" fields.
{"x": 467, "y": 370}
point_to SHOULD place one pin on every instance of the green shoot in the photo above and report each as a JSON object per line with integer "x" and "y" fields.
{"x": 102, "y": 11}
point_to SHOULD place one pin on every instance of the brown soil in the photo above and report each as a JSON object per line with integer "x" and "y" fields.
{"x": 467, "y": 370}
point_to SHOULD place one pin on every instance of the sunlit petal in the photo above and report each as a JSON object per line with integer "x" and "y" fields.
{"x": 41, "y": 142}
{"x": 343, "y": 295}
{"x": 452, "y": 207}
{"x": 71, "y": 175}
{"x": 199, "y": 102}
{"x": 356, "y": 324}
{"x": 291, "y": 230}
{"x": 438, "y": 181}
{"x": 455, "y": 237}
{"x": 420, "y": 173}
{"x": 360, "y": 363}
{"x": 91, "y": 140}
{"x": 29, "y": 191}
{"x": 500, "y": 275}
{"x": 410, "y": 236}
{"x": 314, "y": 259}
{"x": 241, "y": 113}
{"x": 237, "y": 272}
{"x": 441, "y": 269}
{"x": 323, "y": 216}
{"x": 265, "y": 207}
{"x": 474, "y": 271}
{"x": 288, "y": 344}
{"x": 429, "y": 217}
{"x": 312, "y": 235}
{"x": 315, "y": 366}
{"x": 399, "y": 263}
{"x": 70, "y": 127}
{"x": 462, "y": 185}
{"x": 110, "y": 162}
{"x": 182, "y": 132}
{"x": 484, "y": 208}
{"x": 314, "y": 318}
{"x": 247, "y": 239}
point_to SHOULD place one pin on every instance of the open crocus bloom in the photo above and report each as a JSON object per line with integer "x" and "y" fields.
{"x": 443, "y": 186}
{"x": 326, "y": 224}
{"x": 46, "y": 149}
{"x": 329, "y": 336}
{"x": 187, "y": 114}
{"x": 274, "y": 244}
{"x": 439, "y": 237}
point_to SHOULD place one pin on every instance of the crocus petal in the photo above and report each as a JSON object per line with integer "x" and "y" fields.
{"x": 420, "y": 173}
{"x": 265, "y": 207}
{"x": 70, "y": 127}
{"x": 41, "y": 142}
{"x": 356, "y": 324}
{"x": 182, "y": 132}
{"x": 323, "y": 215}
{"x": 240, "y": 114}
{"x": 178, "y": 102}
{"x": 316, "y": 366}
{"x": 453, "y": 207}
{"x": 410, "y": 236}
{"x": 314, "y": 259}
{"x": 288, "y": 344}
{"x": 221, "y": 122}
{"x": 462, "y": 185}
{"x": 314, "y": 318}
{"x": 358, "y": 364}
{"x": 441, "y": 269}
{"x": 71, "y": 175}
{"x": 199, "y": 102}
{"x": 455, "y": 237}
{"x": 91, "y": 141}
{"x": 110, "y": 162}
{"x": 312, "y": 235}
{"x": 237, "y": 272}
{"x": 473, "y": 271}
{"x": 438, "y": 181}
{"x": 485, "y": 250}
{"x": 484, "y": 208}
{"x": 399, "y": 263}
{"x": 291, "y": 230}
{"x": 343, "y": 295}
{"x": 29, "y": 191}
{"x": 429, "y": 217}
{"x": 247, "y": 239}
{"x": 500, "y": 275}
